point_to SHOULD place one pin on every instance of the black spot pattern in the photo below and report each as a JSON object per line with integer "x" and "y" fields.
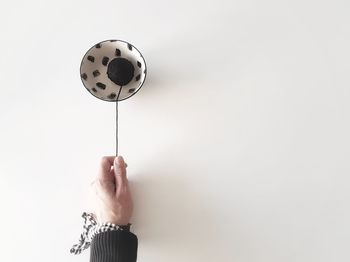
{"x": 98, "y": 46}
{"x": 91, "y": 58}
{"x": 117, "y": 52}
{"x": 130, "y": 47}
{"x": 145, "y": 71}
{"x": 94, "y": 89}
{"x": 112, "y": 40}
{"x": 84, "y": 76}
{"x": 131, "y": 90}
{"x": 112, "y": 95}
{"x": 138, "y": 77}
{"x": 101, "y": 85}
{"x": 105, "y": 60}
{"x": 96, "y": 73}
{"x": 139, "y": 64}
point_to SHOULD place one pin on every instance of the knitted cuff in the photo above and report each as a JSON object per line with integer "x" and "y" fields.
{"x": 114, "y": 246}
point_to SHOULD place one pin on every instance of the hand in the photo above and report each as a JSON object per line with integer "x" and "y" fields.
{"x": 113, "y": 194}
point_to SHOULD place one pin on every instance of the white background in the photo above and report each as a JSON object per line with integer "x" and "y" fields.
{"x": 237, "y": 145}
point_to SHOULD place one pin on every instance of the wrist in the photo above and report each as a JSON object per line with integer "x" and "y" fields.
{"x": 110, "y": 217}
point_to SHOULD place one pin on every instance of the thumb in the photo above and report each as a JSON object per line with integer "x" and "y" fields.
{"x": 120, "y": 171}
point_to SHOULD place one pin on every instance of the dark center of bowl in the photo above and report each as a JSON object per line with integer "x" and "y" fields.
{"x": 120, "y": 71}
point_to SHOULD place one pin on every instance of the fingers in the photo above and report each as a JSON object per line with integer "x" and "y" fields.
{"x": 107, "y": 164}
{"x": 105, "y": 169}
{"x": 112, "y": 171}
{"x": 120, "y": 171}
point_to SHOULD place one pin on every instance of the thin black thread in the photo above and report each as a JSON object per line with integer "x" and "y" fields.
{"x": 116, "y": 122}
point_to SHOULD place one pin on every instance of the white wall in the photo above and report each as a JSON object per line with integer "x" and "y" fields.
{"x": 237, "y": 145}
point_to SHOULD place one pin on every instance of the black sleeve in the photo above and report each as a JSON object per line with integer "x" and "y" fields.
{"x": 114, "y": 246}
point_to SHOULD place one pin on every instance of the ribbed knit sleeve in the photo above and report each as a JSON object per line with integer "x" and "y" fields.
{"x": 114, "y": 246}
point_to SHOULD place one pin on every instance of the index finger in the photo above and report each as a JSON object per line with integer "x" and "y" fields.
{"x": 105, "y": 168}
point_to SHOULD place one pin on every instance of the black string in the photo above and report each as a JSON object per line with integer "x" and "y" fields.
{"x": 116, "y": 122}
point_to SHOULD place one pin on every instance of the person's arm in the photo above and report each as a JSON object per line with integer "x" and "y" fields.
{"x": 114, "y": 206}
